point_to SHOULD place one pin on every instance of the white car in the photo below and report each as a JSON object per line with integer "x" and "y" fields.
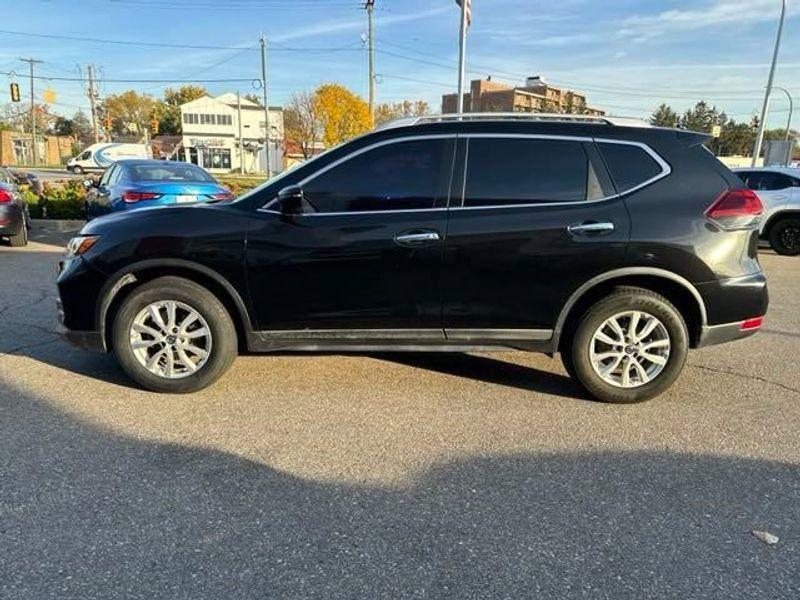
{"x": 779, "y": 191}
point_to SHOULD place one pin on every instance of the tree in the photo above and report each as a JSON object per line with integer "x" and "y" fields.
{"x": 169, "y": 111}
{"x": 253, "y": 98}
{"x": 130, "y": 112}
{"x": 664, "y": 116}
{"x": 342, "y": 113}
{"x": 302, "y": 124}
{"x": 702, "y": 118}
{"x": 389, "y": 111}
{"x": 20, "y": 120}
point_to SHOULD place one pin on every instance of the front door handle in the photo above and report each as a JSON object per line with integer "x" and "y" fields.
{"x": 591, "y": 228}
{"x": 417, "y": 238}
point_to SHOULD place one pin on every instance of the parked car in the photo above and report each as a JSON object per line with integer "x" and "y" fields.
{"x": 98, "y": 157}
{"x": 779, "y": 191}
{"x": 26, "y": 178}
{"x": 618, "y": 245}
{"x": 134, "y": 184}
{"x": 14, "y": 216}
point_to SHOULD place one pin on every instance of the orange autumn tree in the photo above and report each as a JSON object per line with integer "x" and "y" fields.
{"x": 342, "y": 113}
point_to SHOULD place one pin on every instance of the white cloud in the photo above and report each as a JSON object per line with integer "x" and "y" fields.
{"x": 715, "y": 13}
{"x": 328, "y": 26}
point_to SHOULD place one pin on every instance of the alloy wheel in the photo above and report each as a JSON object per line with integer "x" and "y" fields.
{"x": 170, "y": 339}
{"x": 630, "y": 349}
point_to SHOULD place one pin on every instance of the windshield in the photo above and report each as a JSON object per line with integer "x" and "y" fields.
{"x": 162, "y": 172}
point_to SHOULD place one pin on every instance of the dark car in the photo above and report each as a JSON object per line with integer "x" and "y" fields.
{"x": 133, "y": 184}
{"x": 30, "y": 179}
{"x": 14, "y": 217}
{"x": 618, "y": 245}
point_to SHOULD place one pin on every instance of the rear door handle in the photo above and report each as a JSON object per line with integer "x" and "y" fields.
{"x": 417, "y": 238}
{"x": 591, "y": 228}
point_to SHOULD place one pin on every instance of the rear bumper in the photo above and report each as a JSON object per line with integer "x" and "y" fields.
{"x": 711, "y": 335}
{"x": 11, "y": 219}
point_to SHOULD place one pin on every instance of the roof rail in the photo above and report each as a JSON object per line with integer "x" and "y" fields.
{"x": 517, "y": 116}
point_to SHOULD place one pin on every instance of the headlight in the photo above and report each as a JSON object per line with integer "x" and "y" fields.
{"x": 81, "y": 244}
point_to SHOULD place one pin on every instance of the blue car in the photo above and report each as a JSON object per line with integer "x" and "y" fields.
{"x": 135, "y": 184}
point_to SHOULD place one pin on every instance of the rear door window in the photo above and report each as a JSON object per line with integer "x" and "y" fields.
{"x": 766, "y": 181}
{"x": 630, "y": 166}
{"x": 508, "y": 171}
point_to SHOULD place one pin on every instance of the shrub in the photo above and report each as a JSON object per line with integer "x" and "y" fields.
{"x": 65, "y": 202}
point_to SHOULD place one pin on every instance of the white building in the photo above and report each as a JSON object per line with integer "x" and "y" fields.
{"x": 211, "y": 135}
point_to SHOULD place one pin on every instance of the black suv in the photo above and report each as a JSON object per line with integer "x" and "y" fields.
{"x": 616, "y": 244}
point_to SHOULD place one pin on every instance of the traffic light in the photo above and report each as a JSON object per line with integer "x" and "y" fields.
{"x": 154, "y": 126}
{"x": 107, "y": 123}
{"x": 15, "y": 92}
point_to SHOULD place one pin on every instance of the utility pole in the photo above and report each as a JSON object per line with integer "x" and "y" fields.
{"x": 266, "y": 102}
{"x": 369, "y": 5}
{"x": 791, "y": 110}
{"x": 34, "y": 148}
{"x": 92, "y": 103}
{"x": 762, "y": 126}
{"x": 241, "y": 141}
{"x": 462, "y": 56}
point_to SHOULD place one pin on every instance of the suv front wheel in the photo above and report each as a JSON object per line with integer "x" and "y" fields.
{"x": 173, "y": 335}
{"x": 629, "y": 347}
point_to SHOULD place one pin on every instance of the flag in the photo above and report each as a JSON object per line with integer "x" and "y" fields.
{"x": 468, "y": 8}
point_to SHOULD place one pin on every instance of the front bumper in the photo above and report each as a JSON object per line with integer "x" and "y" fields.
{"x": 87, "y": 340}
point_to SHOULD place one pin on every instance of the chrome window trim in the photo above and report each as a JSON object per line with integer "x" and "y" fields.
{"x": 666, "y": 170}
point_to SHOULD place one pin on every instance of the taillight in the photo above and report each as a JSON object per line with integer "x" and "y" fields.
{"x": 5, "y": 196}
{"x": 138, "y": 196}
{"x": 222, "y": 196}
{"x": 736, "y": 209}
{"x": 751, "y": 324}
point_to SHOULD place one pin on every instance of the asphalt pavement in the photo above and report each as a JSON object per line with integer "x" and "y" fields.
{"x": 392, "y": 476}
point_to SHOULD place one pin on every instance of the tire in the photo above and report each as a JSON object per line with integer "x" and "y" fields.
{"x": 654, "y": 377}
{"x": 21, "y": 239}
{"x": 76, "y": 170}
{"x": 186, "y": 296}
{"x": 784, "y": 237}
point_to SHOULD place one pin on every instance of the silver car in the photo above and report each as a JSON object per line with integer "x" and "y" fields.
{"x": 779, "y": 191}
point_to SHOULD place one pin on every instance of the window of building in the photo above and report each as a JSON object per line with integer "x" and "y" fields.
{"x": 216, "y": 158}
{"x": 630, "y": 166}
{"x": 502, "y": 171}
{"x": 400, "y": 176}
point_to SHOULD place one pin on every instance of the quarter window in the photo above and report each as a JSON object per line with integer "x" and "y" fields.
{"x": 398, "y": 176}
{"x": 630, "y": 166}
{"x": 503, "y": 171}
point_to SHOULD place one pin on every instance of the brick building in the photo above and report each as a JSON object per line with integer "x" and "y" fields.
{"x": 16, "y": 150}
{"x": 536, "y": 95}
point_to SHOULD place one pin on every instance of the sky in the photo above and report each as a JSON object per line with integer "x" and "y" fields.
{"x": 627, "y": 56}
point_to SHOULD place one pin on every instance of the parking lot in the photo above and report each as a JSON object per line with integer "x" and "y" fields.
{"x": 392, "y": 476}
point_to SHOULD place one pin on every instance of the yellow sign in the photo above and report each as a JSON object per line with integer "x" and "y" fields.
{"x": 49, "y": 96}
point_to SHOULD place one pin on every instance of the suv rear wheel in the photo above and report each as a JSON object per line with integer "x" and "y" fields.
{"x": 629, "y": 347}
{"x": 173, "y": 335}
{"x": 784, "y": 237}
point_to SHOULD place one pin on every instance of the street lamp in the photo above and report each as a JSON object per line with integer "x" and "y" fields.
{"x": 763, "y": 124}
{"x": 791, "y": 110}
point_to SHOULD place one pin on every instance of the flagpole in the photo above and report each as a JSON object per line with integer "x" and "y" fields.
{"x": 462, "y": 58}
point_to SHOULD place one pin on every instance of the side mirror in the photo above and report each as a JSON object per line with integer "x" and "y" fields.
{"x": 88, "y": 184}
{"x": 291, "y": 199}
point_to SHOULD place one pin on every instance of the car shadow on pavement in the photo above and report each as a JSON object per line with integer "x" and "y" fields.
{"x": 490, "y": 370}
{"x": 89, "y": 513}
